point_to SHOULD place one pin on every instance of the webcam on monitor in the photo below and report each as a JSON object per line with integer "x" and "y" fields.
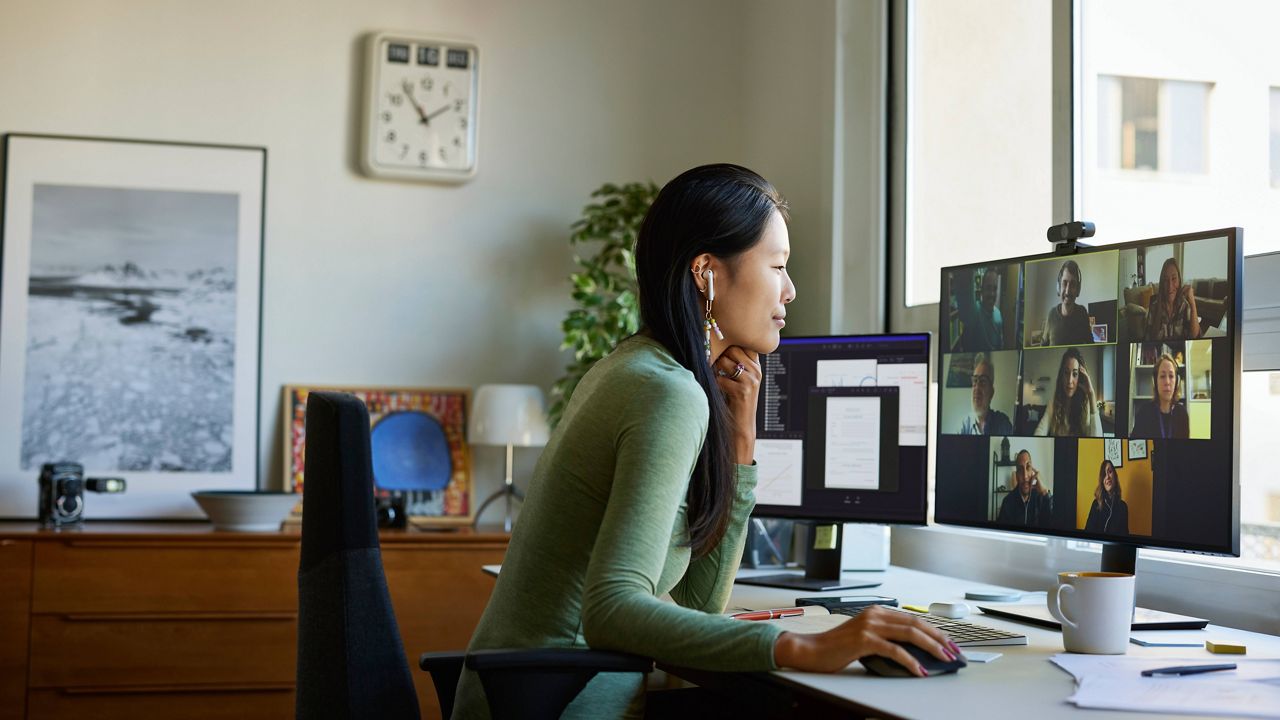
{"x": 1064, "y": 237}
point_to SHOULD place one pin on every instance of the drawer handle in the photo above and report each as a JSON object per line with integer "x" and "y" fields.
{"x": 176, "y": 617}
{"x": 171, "y": 689}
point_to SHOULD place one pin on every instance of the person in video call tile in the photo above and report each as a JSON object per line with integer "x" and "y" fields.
{"x": 984, "y": 420}
{"x": 647, "y": 484}
{"x": 1173, "y": 309}
{"x": 1073, "y": 409}
{"x": 1068, "y": 323}
{"x": 983, "y": 324}
{"x": 1028, "y": 504}
{"x": 1108, "y": 513}
{"x": 1164, "y": 416}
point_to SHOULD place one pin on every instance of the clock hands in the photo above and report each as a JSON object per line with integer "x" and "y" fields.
{"x": 408, "y": 91}
{"x": 427, "y": 118}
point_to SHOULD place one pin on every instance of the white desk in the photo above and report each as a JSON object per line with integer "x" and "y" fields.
{"x": 1021, "y": 685}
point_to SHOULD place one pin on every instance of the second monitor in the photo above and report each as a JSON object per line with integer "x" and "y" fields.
{"x": 816, "y": 458}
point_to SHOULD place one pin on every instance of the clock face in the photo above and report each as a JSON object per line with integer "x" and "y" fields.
{"x": 421, "y": 109}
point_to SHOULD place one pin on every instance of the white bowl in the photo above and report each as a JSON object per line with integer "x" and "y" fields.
{"x": 246, "y": 510}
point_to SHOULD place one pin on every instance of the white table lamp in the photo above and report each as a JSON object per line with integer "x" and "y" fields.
{"x": 511, "y": 416}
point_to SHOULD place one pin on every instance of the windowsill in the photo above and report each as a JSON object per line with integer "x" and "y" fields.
{"x": 1228, "y": 594}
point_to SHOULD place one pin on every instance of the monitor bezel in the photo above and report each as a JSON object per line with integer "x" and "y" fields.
{"x": 799, "y": 513}
{"x": 1235, "y": 265}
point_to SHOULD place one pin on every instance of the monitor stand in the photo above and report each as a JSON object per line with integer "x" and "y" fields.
{"x": 821, "y": 568}
{"x": 1119, "y": 558}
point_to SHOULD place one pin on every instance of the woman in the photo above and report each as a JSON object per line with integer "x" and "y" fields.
{"x": 647, "y": 483}
{"x": 1173, "y": 309}
{"x": 1164, "y": 416}
{"x": 1073, "y": 409}
{"x": 1108, "y": 513}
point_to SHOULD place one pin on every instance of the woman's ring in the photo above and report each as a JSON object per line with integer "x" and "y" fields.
{"x": 737, "y": 371}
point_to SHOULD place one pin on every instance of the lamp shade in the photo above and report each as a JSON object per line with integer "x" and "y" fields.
{"x": 509, "y": 415}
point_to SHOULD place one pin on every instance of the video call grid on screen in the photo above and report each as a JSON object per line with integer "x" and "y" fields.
{"x": 1035, "y": 336}
{"x": 791, "y": 375}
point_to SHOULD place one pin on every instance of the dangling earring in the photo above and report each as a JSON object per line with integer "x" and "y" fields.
{"x": 708, "y": 322}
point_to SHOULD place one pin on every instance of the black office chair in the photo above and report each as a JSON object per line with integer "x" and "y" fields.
{"x": 533, "y": 684}
{"x": 351, "y": 663}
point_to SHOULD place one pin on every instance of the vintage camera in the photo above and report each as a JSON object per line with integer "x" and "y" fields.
{"x": 62, "y": 486}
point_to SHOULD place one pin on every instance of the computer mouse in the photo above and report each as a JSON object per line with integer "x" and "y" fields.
{"x": 881, "y": 665}
{"x": 954, "y": 611}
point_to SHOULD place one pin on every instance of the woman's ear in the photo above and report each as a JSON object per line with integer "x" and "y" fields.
{"x": 704, "y": 272}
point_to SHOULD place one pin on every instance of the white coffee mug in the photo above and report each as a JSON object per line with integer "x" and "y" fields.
{"x": 1096, "y": 611}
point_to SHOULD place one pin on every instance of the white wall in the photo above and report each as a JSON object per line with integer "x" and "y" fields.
{"x": 375, "y": 282}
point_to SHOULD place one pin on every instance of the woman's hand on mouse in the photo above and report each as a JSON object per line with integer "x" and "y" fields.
{"x": 874, "y": 631}
{"x": 741, "y": 389}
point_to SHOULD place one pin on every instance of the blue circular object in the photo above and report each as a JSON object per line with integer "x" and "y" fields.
{"x": 410, "y": 452}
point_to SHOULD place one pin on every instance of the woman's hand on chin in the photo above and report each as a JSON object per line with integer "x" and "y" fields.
{"x": 738, "y": 374}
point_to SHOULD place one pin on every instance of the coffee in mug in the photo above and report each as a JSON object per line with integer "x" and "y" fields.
{"x": 1095, "y": 609}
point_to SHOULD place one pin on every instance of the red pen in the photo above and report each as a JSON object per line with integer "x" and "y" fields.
{"x": 768, "y": 614}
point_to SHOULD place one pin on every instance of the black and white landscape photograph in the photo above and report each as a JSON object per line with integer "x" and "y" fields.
{"x": 131, "y": 318}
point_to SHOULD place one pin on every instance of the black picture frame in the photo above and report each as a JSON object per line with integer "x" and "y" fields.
{"x": 130, "y": 318}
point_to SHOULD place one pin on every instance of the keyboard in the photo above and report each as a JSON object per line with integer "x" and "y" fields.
{"x": 964, "y": 634}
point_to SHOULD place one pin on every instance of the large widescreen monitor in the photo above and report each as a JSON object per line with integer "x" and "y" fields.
{"x": 1093, "y": 394}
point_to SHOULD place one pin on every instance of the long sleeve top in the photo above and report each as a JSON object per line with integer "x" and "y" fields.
{"x": 602, "y": 537}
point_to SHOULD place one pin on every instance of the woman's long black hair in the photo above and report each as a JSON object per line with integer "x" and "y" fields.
{"x": 722, "y": 210}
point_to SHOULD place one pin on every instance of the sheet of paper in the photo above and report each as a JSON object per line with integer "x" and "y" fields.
{"x": 912, "y": 381}
{"x": 853, "y": 443}
{"x": 1180, "y": 695}
{"x": 1082, "y": 666}
{"x": 778, "y": 471}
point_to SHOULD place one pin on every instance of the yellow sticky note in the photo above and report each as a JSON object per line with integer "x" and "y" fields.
{"x": 824, "y": 537}
{"x": 1224, "y": 648}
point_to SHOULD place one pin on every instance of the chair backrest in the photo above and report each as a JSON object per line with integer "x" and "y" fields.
{"x": 351, "y": 662}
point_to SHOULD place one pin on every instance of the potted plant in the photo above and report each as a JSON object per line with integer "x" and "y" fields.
{"x": 604, "y": 287}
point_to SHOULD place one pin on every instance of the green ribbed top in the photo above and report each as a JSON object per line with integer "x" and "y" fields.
{"x": 600, "y": 540}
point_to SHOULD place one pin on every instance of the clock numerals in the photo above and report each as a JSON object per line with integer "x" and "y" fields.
{"x": 422, "y": 101}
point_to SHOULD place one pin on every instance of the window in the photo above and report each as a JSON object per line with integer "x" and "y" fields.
{"x": 1147, "y": 124}
{"x": 1175, "y": 127}
{"x": 979, "y": 147}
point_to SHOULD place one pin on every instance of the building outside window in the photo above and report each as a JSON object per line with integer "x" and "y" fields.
{"x": 1150, "y": 124}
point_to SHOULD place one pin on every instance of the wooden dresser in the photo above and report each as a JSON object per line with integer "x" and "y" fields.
{"x": 177, "y": 620}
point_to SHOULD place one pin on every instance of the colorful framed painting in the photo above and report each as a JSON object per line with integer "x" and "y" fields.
{"x": 130, "y": 308}
{"x": 418, "y": 442}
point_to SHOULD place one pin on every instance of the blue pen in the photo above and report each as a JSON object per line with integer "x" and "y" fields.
{"x": 1188, "y": 670}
